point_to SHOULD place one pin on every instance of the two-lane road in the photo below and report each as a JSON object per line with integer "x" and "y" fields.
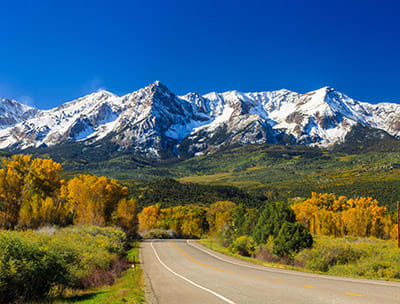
{"x": 182, "y": 271}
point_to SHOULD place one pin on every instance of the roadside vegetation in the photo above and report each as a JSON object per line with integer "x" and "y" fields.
{"x": 127, "y": 288}
{"x": 324, "y": 233}
{"x": 367, "y": 258}
{"x": 41, "y": 260}
{"x": 72, "y": 238}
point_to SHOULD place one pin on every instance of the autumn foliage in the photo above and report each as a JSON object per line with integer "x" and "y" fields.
{"x": 94, "y": 199}
{"x": 325, "y": 214}
{"x": 32, "y": 194}
{"x": 28, "y": 191}
{"x": 189, "y": 220}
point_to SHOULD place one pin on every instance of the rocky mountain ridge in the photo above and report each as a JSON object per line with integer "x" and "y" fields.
{"x": 156, "y": 123}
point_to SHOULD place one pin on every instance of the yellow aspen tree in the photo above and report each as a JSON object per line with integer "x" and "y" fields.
{"x": 94, "y": 199}
{"x": 127, "y": 216}
{"x": 149, "y": 217}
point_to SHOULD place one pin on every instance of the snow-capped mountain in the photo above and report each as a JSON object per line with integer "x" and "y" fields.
{"x": 155, "y": 122}
{"x": 13, "y": 112}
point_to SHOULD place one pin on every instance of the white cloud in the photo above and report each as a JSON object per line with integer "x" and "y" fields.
{"x": 93, "y": 85}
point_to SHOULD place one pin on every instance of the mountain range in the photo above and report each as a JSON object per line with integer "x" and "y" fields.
{"x": 156, "y": 123}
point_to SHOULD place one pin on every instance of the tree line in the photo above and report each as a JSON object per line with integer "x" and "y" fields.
{"x": 326, "y": 214}
{"x": 33, "y": 194}
{"x": 238, "y": 227}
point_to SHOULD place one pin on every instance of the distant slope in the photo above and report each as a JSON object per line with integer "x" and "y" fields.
{"x": 362, "y": 139}
{"x": 169, "y": 192}
{"x": 272, "y": 172}
{"x": 266, "y": 172}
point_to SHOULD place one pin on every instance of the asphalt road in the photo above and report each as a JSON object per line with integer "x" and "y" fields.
{"x": 181, "y": 271}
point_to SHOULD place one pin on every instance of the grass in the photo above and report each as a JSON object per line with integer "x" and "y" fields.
{"x": 366, "y": 258}
{"x": 127, "y": 289}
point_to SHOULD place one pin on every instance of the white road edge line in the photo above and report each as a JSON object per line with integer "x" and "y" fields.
{"x": 189, "y": 281}
{"x": 222, "y": 259}
{"x": 284, "y": 271}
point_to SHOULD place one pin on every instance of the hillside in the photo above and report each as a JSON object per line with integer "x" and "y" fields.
{"x": 273, "y": 172}
{"x": 280, "y": 173}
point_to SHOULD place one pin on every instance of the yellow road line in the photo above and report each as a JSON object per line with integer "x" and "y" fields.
{"x": 189, "y": 281}
{"x": 309, "y": 286}
{"x": 353, "y": 294}
{"x": 278, "y": 281}
{"x": 198, "y": 262}
{"x": 258, "y": 277}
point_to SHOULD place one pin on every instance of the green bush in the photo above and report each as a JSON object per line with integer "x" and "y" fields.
{"x": 291, "y": 239}
{"x": 353, "y": 257}
{"x": 270, "y": 221}
{"x": 34, "y": 265}
{"x": 323, "y": 256}
{"x": 243, "y": 245}
{"x": 29, "y": 269}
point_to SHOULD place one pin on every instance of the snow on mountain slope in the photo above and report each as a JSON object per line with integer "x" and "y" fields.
{"x": 13, "y": 112}
{"x": 73, "y": 120}
{"x": 156, "y": 122}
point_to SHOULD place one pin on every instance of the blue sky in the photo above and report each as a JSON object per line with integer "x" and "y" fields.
{"x": 55, "y": 51}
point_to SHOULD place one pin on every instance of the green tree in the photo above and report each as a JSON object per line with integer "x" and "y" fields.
{"x": 291, "y": 239}
{"x": 270, "y": 221}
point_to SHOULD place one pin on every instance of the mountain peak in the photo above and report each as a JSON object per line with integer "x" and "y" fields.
{"x": 10, "y": 104}
{"x": 321, "y": 91}
{"x": 155, "y": 121}
{"x": 157, "y": 84}
{"x": 13, "y": 112}
{"x": 102, "y": 93}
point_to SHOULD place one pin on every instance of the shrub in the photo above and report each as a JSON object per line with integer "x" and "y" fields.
{"x": 264, "y": 252}
{"x": 34, "y": 265}
{"x": 243, "y": 245}
{"x": 159, "y": 234}
{"x": 355, "y": 257}
{"x": 324, "y": 256}
{"x": 291, "y": 239}
{"x": 29, "y": 270}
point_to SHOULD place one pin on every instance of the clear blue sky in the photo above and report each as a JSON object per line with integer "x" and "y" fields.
{"x": 55, "y": 51}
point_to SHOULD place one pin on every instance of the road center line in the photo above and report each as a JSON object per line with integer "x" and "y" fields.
{"x": 353, "y": 294}
{"x": 309, "y": 286}
{"x": 222, "y": 259}
{"x": 189, "y": 281}
{"x": 198, "y": 262}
